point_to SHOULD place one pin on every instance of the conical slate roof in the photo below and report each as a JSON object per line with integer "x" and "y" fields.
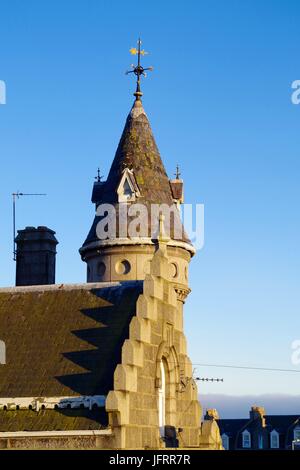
{"x": 137, "y": 152}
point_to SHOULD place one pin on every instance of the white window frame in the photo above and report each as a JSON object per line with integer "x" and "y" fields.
{"x": 274, "y": 434}
{"x": 129, "y": 179}
{"x": 162, "y": 400}
{"x": 297, "y": 433}
{"x": 225, "y": 441}
{"x": 246, "y": 434}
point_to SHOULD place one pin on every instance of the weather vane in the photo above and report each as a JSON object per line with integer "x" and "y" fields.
{"x": 138, "y": 69}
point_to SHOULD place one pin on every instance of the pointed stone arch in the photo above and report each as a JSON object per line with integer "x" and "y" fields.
{"x": 171, "y": 357}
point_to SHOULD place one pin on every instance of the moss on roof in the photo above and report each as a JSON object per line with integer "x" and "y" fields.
{"x": 52, "y": 420}
{"x": 64, "y": 342}
{"x": 137, "y": 150}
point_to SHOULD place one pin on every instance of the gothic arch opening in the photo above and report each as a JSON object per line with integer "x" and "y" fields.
{"x": 167, "y": 374}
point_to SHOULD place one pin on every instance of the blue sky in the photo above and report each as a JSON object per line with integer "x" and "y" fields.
{"x": 219, "y": 101}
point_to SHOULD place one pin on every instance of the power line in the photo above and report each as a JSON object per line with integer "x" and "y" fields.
{"x": 230, "y": 366}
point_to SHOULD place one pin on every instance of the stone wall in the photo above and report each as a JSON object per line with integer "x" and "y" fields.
{"x": 156, "y": 333}
{"x": 155, "y": 336}
{"x": 56, "y": 442}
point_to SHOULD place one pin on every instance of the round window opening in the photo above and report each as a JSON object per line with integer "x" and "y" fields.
{"x": 101, "y": 268}
{"x": 123, "y": 267}
{"x": 174, "y": 270}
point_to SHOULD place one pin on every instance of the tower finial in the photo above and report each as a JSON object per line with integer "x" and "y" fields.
{"x": 98, "y": 178}
{"x": 177, "y": 174}
{"x": 138, "y": 69}
{"x": 162, "y": 235}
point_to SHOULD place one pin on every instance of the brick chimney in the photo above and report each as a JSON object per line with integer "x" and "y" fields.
{"x": 36, "y": 253}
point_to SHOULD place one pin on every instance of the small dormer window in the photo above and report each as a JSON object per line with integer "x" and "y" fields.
{"x": 225, "y": 441}
{"x": 128, "y": 189}
{"x": 274, "y": 439}
{"x": 297, "y": 433}
{"x": 246, "y": 440}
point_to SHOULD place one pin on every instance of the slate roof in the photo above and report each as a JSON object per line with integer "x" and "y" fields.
{"x": 231, "y": 426}
{"x": 52, "y": 420}
{"x": 283, "y": 424}
{"x": 137, "y": 150}
{"x": 62, "y": 341}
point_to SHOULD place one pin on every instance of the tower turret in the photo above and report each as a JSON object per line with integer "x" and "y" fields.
{"x": 122, "y": 239}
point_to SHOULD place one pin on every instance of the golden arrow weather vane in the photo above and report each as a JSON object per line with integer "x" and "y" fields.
{"x": 138, "y": 69}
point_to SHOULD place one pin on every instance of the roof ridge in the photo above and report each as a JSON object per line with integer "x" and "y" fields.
{"x": 63, "y": 287}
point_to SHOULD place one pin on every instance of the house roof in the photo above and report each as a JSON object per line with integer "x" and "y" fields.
{"x": 281, "y": 423}
{"x": 62, "y": 341}
{"x": 231, "y": 427}
{"x": 52, "y": 420}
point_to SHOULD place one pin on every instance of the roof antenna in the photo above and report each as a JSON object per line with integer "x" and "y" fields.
{"x": 16, "y": 196}
{"x": 207, "y": 379}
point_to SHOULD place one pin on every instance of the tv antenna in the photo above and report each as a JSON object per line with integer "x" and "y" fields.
{"x": 16, "y": 196}
{"x": 185, "y": 381}
{"x": 207, "y": 379}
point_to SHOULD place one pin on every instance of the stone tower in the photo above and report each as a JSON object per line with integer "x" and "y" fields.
{"x": 137, "y": 191}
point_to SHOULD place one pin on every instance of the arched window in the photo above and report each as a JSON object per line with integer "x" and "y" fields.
{"x": 162, "y": 399}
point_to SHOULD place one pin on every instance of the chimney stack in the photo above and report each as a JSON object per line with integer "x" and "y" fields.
{"x": 36, "y": 253}
{"x": 258, "y": 412}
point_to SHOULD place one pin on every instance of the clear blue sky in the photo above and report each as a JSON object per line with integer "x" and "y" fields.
{"x": 219, "y": 104}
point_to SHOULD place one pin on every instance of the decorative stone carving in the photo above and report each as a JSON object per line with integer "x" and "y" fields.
{"x": 182, "y": 293}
